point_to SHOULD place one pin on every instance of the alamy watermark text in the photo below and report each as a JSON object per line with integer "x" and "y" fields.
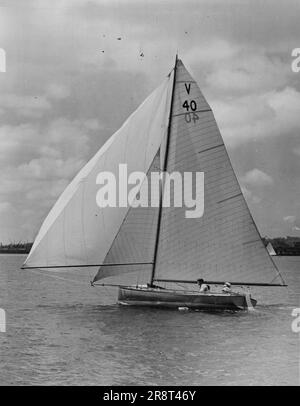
{"x": 2, "y": 60}
{"x": 2, "y": 321}
{"x": 296, "y": 62}
{"x": 134, "y": 190}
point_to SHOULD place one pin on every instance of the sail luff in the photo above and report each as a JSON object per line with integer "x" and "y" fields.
{"x": 165, "y": 163}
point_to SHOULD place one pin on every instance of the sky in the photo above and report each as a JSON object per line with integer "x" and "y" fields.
{"x": 76, "y": 69}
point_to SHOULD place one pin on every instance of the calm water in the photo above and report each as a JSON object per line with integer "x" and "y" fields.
{"x": 69, "y": 333}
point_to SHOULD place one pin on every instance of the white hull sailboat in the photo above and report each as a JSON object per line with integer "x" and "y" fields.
{"x": 173, "y": 131}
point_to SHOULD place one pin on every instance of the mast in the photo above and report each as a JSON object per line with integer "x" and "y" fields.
{"x": 164, "y": 170}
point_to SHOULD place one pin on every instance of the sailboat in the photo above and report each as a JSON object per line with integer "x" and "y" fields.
{"x": 173, "y": 130}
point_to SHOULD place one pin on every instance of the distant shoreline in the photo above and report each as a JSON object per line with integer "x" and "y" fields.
{"x": 10, "y": 253}
{"x": 16, "y": 248}
{"x": 282, "y": 246}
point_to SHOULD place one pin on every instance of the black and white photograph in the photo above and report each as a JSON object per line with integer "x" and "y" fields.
{"x": 149, "y": 195}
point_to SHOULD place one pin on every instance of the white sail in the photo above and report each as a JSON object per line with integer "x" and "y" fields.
{"x": 270, "y": 249}
{"x": 134, "y": 244}
{"x": 76, "y": 231}
{"x": 223, "y": 244}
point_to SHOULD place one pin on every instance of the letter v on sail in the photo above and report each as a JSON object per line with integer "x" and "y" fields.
{"x": 173, "y": 130}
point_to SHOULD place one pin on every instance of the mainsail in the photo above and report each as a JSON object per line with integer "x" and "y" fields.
{"x": 223, "y": 244}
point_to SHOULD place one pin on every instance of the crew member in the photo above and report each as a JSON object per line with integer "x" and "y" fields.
{"x": 227, "y": 287}
{"x": 203, "y": 287}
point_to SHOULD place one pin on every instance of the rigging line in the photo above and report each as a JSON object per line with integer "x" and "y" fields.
{"x": 275, "y": 277}
{"x": 58, "y": 277}
{"x": 221, "y": 282}
{"x": 85, "y": 266}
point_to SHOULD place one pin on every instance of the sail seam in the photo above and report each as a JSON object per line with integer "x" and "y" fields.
{"x": 228, "y": 198}
{"x": 208, "y": 149}
{"x": 251, "y": 242}
{"x": 189, "y": 112}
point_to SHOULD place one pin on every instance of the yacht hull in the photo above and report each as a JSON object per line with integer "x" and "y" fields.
{"x": 153, "y": 297}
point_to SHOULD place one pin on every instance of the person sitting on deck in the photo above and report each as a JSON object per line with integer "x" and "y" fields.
{"x": 227, "y": 287}
{"x": 203, "y": 287}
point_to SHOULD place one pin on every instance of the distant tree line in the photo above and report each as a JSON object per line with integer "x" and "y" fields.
{"x": 15, "y": 248}
{"x": 281, "y": 245}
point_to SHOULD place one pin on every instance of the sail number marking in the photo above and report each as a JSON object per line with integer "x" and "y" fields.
{"x": 190, "y": 105}
{"x": 191, "y": 117}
